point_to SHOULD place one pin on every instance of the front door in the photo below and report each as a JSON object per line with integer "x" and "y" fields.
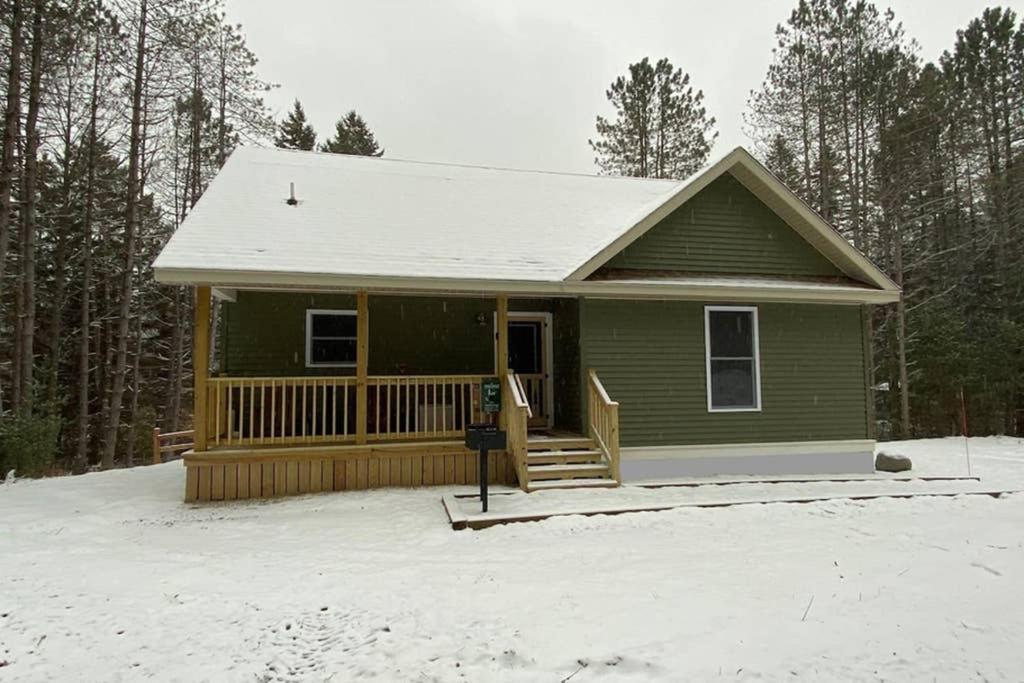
{"x": 529, "y": 356}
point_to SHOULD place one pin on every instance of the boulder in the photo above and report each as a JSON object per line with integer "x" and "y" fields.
{"x": 886, "y": 462}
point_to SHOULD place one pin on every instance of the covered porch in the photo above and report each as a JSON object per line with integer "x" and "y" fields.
{"x": 384, "y": 391}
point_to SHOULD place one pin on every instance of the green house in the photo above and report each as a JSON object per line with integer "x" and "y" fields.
{"x": 631, "y": 329}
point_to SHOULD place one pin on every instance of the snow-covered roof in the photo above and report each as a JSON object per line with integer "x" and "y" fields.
{"x": 365, "y": 222}
{"x": 384, "y": 217}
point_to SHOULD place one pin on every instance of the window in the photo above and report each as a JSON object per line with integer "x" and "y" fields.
{"x": 330, "y": 338}
{"x": 733, "y": 365}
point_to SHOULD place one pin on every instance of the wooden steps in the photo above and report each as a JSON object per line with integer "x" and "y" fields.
{"x": 561, "y": 457}
{"x": 550, "y": 484}
{"x": 573, "y": 471}
{"x": 550, "y": 443}
{"x": 565, "y": 462}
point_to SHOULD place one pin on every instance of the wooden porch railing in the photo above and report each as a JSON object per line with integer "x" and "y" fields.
{"x": 264, "y": 411}
{"x": 534, "y": 390}
{"x": 410, "y": 407}
{"x": 260, "y": 411}
{"x": 516, "y": 412}
{"x": 603, "y": 414}
{"x": 170, "y": 442}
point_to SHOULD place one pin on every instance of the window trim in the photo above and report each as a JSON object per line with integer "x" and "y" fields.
{"x": 708, "y": 310}
{"x": 310, "y": 312}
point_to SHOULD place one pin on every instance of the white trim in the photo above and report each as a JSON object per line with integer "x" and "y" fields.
{"x": 761, "y": 292}
{"x": 708, "y": 310}
{"x": 719, "y": 450}
{"x": 225, "y": 294}
{"x": 549, "y": 351}
{"x": 813, "y": 228}
{"x": 310, "y": 312}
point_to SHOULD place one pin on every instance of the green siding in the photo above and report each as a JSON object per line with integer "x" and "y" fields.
{"x": 649, "y": 354}
{"x": 264, "y": 336}
{"x": 724, "y": 229}
{"x": 565, "y": 340}
{"x": 650, "y": 357}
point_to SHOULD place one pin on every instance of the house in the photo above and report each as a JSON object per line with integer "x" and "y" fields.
{"x": 637, "y": 328}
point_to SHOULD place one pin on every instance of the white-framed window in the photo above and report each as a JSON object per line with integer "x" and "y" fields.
{"x": 732, "y": 359}
{"x": 330, "y": 338}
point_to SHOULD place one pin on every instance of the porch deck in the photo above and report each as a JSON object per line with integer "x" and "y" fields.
{"x": 554, "y": 459}
{"x": 259, "y": 437}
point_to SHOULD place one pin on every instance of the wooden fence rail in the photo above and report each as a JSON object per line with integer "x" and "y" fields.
{"x": 170, "y": 442}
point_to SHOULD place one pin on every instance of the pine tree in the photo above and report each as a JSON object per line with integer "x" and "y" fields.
{"x": 352, "y": 136}
{"x": 660, "y": 129}
{"x": 294, "y": 132}
{"x": 99, "y": 163}
{"x": 918, "y": 166}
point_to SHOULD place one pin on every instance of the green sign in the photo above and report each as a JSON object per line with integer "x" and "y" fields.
{"x": 490, "y": 395}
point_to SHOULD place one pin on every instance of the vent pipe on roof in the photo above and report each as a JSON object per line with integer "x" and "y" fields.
{"x": 291, "y": 201}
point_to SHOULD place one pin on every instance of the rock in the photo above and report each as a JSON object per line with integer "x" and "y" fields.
{"x": 885, "y": 462}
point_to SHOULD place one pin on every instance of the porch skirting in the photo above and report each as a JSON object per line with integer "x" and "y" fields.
{"x": 854, "y": 456}
{"x": 239, "y": 474}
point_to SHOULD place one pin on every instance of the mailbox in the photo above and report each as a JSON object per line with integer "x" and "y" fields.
{"x": 482, "y": 438}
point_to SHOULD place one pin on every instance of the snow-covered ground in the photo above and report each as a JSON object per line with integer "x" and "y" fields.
{"x": 110, "y": 577}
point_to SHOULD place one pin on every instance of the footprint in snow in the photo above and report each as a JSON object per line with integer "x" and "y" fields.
{"x": 317, "y": 645}
{"x": 990, "y": 570}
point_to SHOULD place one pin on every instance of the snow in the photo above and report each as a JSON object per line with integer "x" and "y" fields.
{"x": 108, "y": 576}
{"x": 364, "y": 216}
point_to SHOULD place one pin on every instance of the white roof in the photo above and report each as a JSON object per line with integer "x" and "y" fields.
{"x": 384, "y": 217}
{"x": 387, "y": 224}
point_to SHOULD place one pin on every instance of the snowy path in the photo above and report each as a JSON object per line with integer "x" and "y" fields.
{"x": 109, "y": 577}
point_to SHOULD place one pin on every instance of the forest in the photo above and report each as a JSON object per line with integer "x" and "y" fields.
{"x": 118, "y": 113}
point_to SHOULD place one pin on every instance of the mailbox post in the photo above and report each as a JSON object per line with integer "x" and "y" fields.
{"x": 483, "y": 437}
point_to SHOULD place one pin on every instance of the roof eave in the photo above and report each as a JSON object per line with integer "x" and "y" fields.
{"x": 266, "y": 280}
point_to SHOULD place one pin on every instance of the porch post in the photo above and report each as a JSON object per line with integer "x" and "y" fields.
{"x": 501, "y": 362}
{"x": 362, "y": 362}
{"x": 200, "y": 366}
{"x": 502, "y": 336}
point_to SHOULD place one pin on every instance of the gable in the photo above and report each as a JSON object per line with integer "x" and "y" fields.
{"x": 724, "y": 228}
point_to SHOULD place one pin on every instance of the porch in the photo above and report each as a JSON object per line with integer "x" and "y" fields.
{"x": 264, "y": 435}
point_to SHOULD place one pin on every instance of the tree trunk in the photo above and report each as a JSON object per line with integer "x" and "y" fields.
{"x": 30, "y": 200}
{"x": 129, "y": 456}
{"x": 805, "y": 129}
{"x": 901, "y": 336}
{"x": 130, "y": 228}
{"x": 173, "y": 416}
{"x": 11, "y": 124}
{"x": 82, "y": 447}
{"x": 60, "y": 255}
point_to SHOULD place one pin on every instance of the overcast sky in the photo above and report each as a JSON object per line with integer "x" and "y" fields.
{"x": 518, "y": 83}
